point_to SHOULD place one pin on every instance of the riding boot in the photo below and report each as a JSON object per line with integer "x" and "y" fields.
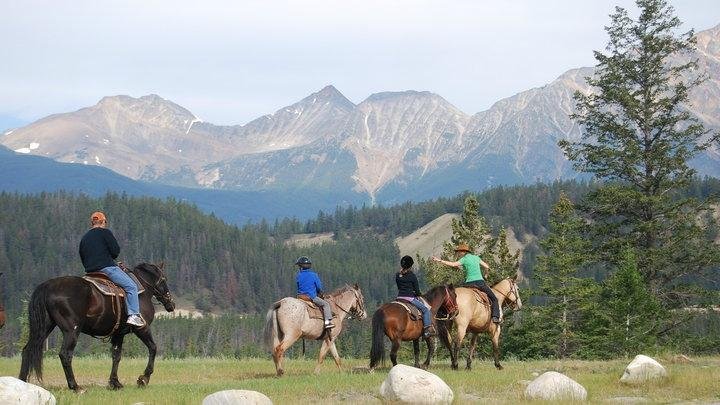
{"x": 429, "y": 331}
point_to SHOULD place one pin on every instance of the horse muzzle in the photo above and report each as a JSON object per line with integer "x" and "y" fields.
{"x": 168, "y": 303}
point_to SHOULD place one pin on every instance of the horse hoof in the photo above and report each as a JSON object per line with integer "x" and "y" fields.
{"x": 143, "y": 381}
{"x": 468, "y": 368}
{"x": 454, "y": 366}
{"x": 280, "y": 373}
{"x": 114, "y": 385}
{"x": 498, "y": 366}
{"x": 79, "y": 390}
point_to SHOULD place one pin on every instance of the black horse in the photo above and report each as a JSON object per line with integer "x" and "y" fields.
{"x": 75, "y": 305}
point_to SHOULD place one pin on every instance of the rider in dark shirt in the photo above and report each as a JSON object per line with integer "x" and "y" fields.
{"x": 409, "y": 290}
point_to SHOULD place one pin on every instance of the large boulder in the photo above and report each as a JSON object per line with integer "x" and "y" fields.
{"x": 643, "y": 369}
{"x": 14, "y": 391}
{"x": 416, "y": 386}
{"x": 233, "y": 397}
{"x": 553, "y": 386}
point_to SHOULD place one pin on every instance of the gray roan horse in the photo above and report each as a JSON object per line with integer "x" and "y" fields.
{"x": 474, "y": 317}
{"x": 288, "y": 320}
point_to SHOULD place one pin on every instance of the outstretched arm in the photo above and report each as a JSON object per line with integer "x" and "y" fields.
{"x": 484, "y": 265}
{"x": 445, "y": 262}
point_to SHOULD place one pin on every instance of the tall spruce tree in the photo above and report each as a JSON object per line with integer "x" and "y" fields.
{"x": 471, "y": 229}
{"x": 638, "y": 138}
{"x": 564, "y": 255}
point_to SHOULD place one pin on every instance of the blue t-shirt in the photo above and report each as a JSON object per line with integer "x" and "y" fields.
{"x": 308, "y": 283}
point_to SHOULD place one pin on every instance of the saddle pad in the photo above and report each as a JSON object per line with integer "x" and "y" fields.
{"x": 412, "y": 310}
{"x": 480, "y": 296}
{"x": 107, "y": 287}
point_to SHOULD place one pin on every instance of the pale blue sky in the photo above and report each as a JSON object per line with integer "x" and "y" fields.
{"x": 232, "y": 61}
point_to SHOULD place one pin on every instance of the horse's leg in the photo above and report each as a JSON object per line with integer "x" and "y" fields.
{"x": 336, "y": 356}
{"x": 471, "y": 351}
{"x": 431, "y": 351}
{"x": 394, "y": 349}
{"x": 279, "y": 352}
{"x": 496, "y": 347}
{"x": 324, "y": 347}
{"x": 146, "y": 336}
{"x": 117, "y": 342}
{"x": 461, "y": 329}
{"x": 70, "y": 337}
{"x": 416, "y": 352}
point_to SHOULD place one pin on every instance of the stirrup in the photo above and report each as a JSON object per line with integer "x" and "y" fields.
{"x": 329, "y": 325}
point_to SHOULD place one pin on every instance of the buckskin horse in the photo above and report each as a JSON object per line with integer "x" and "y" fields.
{"x": 474, "y": 316}
{"x": 75, "y": 306}
{"x": 392, "y": 320}
{"x": 288, "y": 320}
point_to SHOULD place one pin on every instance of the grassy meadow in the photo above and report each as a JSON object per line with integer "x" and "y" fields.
{"x": 188, "y": 381}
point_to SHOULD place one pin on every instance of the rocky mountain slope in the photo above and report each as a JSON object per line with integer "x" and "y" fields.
{"x": 391, "y": 147}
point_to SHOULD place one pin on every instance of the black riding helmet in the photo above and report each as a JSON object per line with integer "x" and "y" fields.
{"x": 406, "y": 262}
{"x": 303, "y": 261}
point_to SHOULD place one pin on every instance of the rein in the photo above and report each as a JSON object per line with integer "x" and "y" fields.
{"x": 152, "y": 286}
{"x": 513, "y": 290}
{"x": 450, "y": 306}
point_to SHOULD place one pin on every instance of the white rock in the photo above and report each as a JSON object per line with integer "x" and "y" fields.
{"x": 643, "y": 369}
{"x": 554, "y": 386}
{"x": 413, "y": 385}
{"x": 232, "y": 397}
{"x": 14, "y": 391}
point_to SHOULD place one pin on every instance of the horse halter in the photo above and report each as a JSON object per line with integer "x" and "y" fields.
{"x": 354, "y": 310}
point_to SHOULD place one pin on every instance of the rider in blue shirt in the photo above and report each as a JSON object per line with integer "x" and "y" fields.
{"x": 308, "y": 283}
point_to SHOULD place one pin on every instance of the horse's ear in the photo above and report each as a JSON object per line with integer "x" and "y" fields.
{"x": 451, "y": 286}
{"x": 1, "y": 273}
{"x": 162, "y": 265}
{"x": 356, "y": 286}
{"x": 515, "y": 277}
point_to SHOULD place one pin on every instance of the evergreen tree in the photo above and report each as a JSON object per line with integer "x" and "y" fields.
{"x": 564, "y": 254}
{"x": 503, "y": 264}
{"x": 631, "y": 312}
{"x": 639, "y": 138}
{"x": 471, "y": 229}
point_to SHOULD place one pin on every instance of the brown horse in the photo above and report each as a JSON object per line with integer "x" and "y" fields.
{"x": 288, "y": 320}
{"x": 474, "y": 317}
{"x": 392, "y": 320}
{"x": 2, "y": 309}
{"x": 75, "y": 306}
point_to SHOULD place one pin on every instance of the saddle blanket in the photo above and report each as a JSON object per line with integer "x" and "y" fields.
{"x": 480, "y": 296}
{"x": 107, "y": 287}
{"x": 412, "y": 310}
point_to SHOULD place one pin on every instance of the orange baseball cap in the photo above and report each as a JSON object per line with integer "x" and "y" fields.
{"x": 97, "y": 216}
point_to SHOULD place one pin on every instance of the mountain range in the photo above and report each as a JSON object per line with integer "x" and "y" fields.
{"x": 391, "y": 147}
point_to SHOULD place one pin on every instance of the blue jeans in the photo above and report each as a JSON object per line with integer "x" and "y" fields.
{"x": 119, "y": 277}
{"x": 425, "y": 312}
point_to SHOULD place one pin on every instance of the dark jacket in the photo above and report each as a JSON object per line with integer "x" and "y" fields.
{"x": 308, "y": 283}
{"x": 407, "y": 284}
{"x": 98, "y": 249}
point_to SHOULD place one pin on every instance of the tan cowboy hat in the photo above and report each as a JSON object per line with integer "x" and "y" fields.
{"x": 463, "y": 247}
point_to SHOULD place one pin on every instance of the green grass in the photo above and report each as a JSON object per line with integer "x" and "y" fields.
{"x": 188, "y": 381}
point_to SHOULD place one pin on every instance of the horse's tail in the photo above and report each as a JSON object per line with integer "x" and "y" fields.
{"x": 39, "y": 323}
{"x": 377, "y": 350}
{"x": 272, "y": 328}
{"x": 443, "y": 329}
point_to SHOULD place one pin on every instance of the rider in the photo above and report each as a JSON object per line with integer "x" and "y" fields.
{"x": 473, "y": 275}
{"x": 409, "y": 290}
{"x": 98, "y": 251}
{"x": 308, "y": 283}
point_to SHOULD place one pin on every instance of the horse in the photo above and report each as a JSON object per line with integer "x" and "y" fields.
{"x": 392, "y": 320}
{"x": 288, "y": 320}
{"x": 75, "y": 306}
{"x": 474, "y": 317}
{"x": 2, "y": 311}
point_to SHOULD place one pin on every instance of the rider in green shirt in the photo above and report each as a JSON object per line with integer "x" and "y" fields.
{"x": 471, "y": 263}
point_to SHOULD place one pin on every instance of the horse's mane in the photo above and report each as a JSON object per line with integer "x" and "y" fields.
{"x": 341, "y": 290}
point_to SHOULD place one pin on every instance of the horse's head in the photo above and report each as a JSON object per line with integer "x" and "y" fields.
{"x": 153, "y": 278}
{"x": 512, "y": 294}
{"x": 358, "y": 308}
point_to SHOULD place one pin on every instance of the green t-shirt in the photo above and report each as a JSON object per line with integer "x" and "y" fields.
{"x": 471, "y": 265}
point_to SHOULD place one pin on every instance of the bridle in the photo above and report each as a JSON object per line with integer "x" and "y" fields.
{"x": 162, "y": 297}
{"x": 450, "y": 305}
{"x": 513, "y": 291}
{"x": 354, "y": 310}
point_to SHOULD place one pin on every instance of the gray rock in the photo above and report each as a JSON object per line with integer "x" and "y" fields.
{"x": 14, "y": 391}
{"x": 643, "y": 369}
{"x": 233, "y": 397}
{"x": 413, "y": 385}
{"x": 553, "y": 386}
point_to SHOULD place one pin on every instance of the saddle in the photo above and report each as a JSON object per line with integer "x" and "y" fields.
{"x": 480, "y": 296}
{"x": 413, "y": 311}
{"x": 106, "y": 287}
{"x": 314, "y": 311}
